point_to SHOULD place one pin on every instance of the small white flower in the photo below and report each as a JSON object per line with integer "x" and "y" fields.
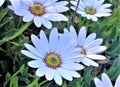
{"x": 1, "y": 2}
{"x": 105, "y": 81}
{"x": 40, "y": 11}
{"x": 55, "y": 58}
{"x": 92, "y": 8}
{"x": 89, "y": 45}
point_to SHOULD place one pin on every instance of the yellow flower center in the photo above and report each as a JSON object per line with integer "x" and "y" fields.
{"x": 83, "y": 50}
{"x": 53, "y": 60}
{"x": 37, "y": 9}
{"x": 90, "y": 10}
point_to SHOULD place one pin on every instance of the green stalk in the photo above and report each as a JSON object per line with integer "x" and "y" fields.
{"x": 34, "y": 82}
{"x": 43, "y": 82}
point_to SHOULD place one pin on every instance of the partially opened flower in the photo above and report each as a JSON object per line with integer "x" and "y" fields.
{"x": 1, "y": 2}
{"x": 92, "y": 8}
{"x": 55, "y": 58}
{"x": 106, "y": 82}
{"x": 89, "y": 45}
{"x": 40, "y": 11}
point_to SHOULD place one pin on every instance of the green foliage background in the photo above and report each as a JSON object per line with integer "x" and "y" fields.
{"x": 14, "y": 71}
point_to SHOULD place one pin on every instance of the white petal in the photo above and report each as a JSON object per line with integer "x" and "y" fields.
{"x": 37, "y": 21}
{"x": 79, "y": 11}
{"x": 75, "y": 74}
{"x": 61, "y": 42}
{"x": 64, "y": 73}
{"x": 73, "y": 33}
{"x": 49, "y": 2}
{"x": 38, "y": 44}
{"x": 72, "y": 66}
{"x": 98, "y": 83}
{"x": 28, "y": 2}
{"x": 96, "y": 57}
{"x": 21, "y": 12}
{"x": 98, "y": 3}
{"x": 89, "y": 62}
{"x": 89, "y": 2}
{"x": 74, "y": 3}
{"x": 72, "y": 57}
{"x": 36, "y": 63}
{"x": 40, "y": 72}
{"x": 82, "y": 3}
{"x": 28, "y": 17}
{"x": 106, "y": 81}
{"x": 1, "y": 2}
{"x": 97, "y": 49}
{"x": 53, "y": 39}
{"x": 29, "y": 54}
{"x": 90, "y": 38}
{"x": 56, "y": 9}
{"x": 94, "y": 18}
{"x": 100, "y": 14}
{"x": 117, "y": 83}
{"x": 15, "y": 3}
{"x": 49, "y": 74}
{"x": 104, "y": 6}
{"x": 57, "y": 78}
{"x": 62, "y": 3}
{"x": 44, "y": 40}
{"x": 46, "y": 23}
{"x": 94, "y": 43}
{"x": 33, "y": 50}
{"x": 68, "y": 46}
{"x": 55, "y": 17}
{"x": 82, "y": 36}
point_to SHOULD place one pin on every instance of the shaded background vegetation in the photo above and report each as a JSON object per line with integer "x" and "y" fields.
{"x": 14, "y": 71}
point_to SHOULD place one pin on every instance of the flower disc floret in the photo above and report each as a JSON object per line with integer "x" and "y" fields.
{"x": 53, "y": 60}
{"x": 37, "y": 9}
{"x": 90, "y": 10}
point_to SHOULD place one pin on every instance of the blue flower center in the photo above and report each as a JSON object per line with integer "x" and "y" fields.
{"x": 53, "y": 59}
{"x": 37, "y": 8}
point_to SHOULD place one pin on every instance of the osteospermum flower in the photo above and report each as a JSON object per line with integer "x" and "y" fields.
{"x": 89, "y": 45}
{"x": 1, "y": 2}
{"x": 55, "y": 58}
{"x": 105, "y": 81}
{"x": 91, "y": 8}
{"x": 40, "y": 11}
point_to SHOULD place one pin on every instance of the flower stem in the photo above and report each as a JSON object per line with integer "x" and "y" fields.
{"x": 34, "y": 82}
{"x": 43, "y": 82}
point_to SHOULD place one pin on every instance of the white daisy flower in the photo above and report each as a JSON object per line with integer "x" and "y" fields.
{"x": 89, "y": 45}
{"x": 40, "y": 11}
{"x": 55, "y": 58}
{"x": 92, "y": 8}
{"x": 1, "y": 2}
{"x": 105, "y": 81}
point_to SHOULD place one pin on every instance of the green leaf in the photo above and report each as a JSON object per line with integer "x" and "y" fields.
{"x": 14, "y": 82}
{"x": 7, "y": 79}
{"x": 3, "y": 12}
{"x": 114, "y": 70}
